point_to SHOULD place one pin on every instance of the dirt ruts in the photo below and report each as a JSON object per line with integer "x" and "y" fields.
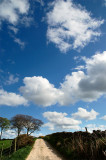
{"x": 43, "y": 151}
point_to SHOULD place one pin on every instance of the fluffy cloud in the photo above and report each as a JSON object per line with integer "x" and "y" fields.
{"x": 104, "y": 117}
{"x": 71, "y": 26}
{"x": 59, "y": 121}
{"x": 91, "y": 127}
{"x": 40, "y": 91}
{"x": 11, "y": 10}
{"x": 70, "y": 88}
{"x": 86, "y": 86}
{"x": 84, "y": 114}
{"x": 11, "y": 99}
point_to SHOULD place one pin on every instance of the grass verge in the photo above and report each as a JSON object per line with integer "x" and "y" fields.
{"x": 20, "y": 154}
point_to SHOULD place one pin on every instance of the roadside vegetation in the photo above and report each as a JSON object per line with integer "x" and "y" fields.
{"x": 24, "y": 144}
{"x": 16, "y": 149}
{"x": 80, "y": 145}
{"x": 20, "y": 154}
{"x": 75, "y": 146}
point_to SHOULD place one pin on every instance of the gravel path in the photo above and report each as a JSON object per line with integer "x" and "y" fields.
{"x": 43, "y": 151}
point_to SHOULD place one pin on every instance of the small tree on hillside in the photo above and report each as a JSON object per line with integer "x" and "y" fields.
{"x": 17, "y": 123}
{"x": 4, "y": 124}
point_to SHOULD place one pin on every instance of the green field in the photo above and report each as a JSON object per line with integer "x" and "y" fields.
{"x": 5, "y": 144}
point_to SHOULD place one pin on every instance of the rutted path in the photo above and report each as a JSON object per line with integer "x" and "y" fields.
{"x": 43, "y": 151}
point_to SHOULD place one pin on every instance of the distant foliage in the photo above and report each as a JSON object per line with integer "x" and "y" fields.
{"x": 80, "y": 145}
{"x": 41, "y": 137}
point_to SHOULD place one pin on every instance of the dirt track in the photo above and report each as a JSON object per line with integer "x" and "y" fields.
{"x": 43, "y": 151}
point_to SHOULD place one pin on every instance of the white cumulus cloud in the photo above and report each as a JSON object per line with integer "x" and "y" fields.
{"x": 84, "y": 114}
{"x": 40, "y": 91}
{"x": 87, "y": 86}
{"x": 60, "y": 121}
{"x": 71, "y": 26}
{"x": 11, "y": 99}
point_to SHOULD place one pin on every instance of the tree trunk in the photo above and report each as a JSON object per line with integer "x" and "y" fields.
{"x": 19, "y": 131}
{"x": 1, "y": 133}
{"x": 27, "y": 131}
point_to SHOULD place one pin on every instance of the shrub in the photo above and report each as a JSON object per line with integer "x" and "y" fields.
{"x": 23, "y": 140}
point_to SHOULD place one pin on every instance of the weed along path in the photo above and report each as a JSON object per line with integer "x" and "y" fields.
{"x": 43, "y": 151}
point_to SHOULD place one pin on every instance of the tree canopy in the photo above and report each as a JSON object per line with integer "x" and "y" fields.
{"x": 4, "y": 124}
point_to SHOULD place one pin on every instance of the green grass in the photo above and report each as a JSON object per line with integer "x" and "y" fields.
{"x": 21, "y": 154}
{"x": 5, "y": 143}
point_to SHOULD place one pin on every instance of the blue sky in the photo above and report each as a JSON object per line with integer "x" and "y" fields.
{"x": 53, "y": 63}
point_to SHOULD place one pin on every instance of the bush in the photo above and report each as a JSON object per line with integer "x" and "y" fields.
{"x": 23, "y": 140}
{"x": 80, "y": 145}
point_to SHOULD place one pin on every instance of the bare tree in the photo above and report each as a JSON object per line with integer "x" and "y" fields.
{"x": 17, "y": 123}
{"x": 4, "y": 124}
{"x": 31, "y": 124}
{"x": 27, "y": 122}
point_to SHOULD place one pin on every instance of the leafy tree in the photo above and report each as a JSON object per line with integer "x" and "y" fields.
{"x": 4, "y": 124}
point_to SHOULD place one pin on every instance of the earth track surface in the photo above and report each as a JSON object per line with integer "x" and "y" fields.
{"x": 43, "y": 151}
